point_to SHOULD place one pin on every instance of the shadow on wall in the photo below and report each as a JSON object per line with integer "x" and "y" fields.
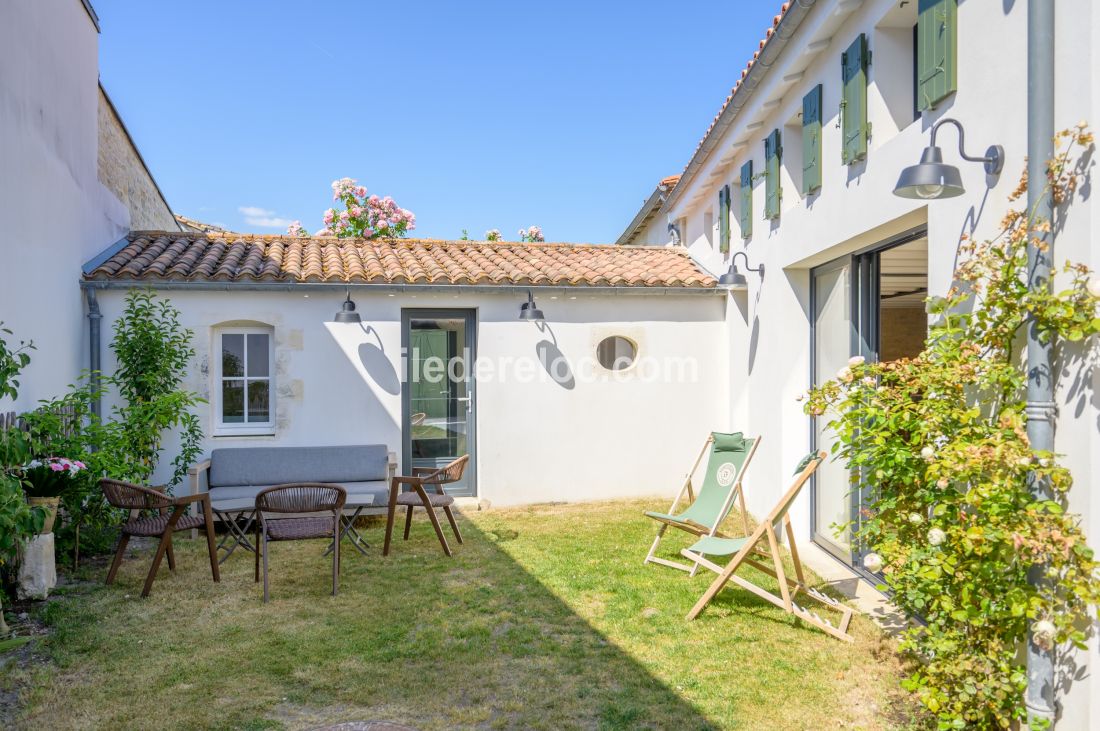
{"x": 377, "y": 365}
{"x": 553, "y": 360}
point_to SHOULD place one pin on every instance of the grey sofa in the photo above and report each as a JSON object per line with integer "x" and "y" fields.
{"x": 234, "y": 475}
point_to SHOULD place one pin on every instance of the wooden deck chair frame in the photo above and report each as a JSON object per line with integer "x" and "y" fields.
{"x": 751, "y": 550}
{"x": 737, "y": 492}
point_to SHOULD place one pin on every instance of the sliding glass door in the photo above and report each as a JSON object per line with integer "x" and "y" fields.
{"x": 870, "y": 304}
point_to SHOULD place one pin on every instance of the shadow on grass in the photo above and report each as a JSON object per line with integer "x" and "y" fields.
{"x": 473, "y": 641}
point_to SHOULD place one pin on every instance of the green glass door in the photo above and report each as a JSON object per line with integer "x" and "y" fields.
{"x": 438, "y": 405}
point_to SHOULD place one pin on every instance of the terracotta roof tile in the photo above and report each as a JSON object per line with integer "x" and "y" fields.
{"x": 230, "y": 257}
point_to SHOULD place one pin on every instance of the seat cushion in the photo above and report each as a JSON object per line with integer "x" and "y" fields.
{"x": 155, "y": 526}
{"x": 437, "y": 501}
{"x": 258, "y": 466}
{"x": 293, "y": 529}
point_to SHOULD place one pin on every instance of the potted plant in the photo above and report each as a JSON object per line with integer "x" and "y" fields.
{"x": 46, "y": 480}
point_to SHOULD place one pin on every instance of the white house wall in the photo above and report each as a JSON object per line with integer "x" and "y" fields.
{"x": 855, "y": 208}
{"x": 55, "y": 213}
{"x": 536, "y": 442}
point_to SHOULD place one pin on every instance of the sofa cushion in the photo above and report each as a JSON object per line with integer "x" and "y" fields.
{"x": 255, "y": 466}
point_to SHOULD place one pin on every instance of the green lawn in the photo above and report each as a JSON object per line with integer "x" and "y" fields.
{"x": 545, "y": 618}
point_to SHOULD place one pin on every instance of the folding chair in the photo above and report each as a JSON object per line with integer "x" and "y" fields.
{"x": 748, "y": 550}
{"x": 730, "y": 455}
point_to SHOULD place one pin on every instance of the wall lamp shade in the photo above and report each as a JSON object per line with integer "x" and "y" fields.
{"x": 733, "y": 279}
{"x": 931, "y": 178}
{"x": 528, "y": 310}
{"x": 347, "y": 312}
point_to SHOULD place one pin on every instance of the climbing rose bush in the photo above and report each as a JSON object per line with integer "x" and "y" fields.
{"x": 493, "y": 234}
{"x": 361, "y": 216}
{"x": 533, "y": 233}
{"x": 940, "y": 441}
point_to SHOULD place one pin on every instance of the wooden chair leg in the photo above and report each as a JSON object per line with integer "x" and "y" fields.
{"x": 171, "y": 553}
{"x": 264, "y": 544}
{"x": 389, "y": 529}
{"x": 451, "y": 519}
{"x": 257, "y": 552}
{"x": 117, "y": 560}
{"x": 438, "y": 530}
{"x": 213, "y": 550}
{"x": 165, "y": 541}
{"x": 211, "y": 544}
{"x": 408, "y": 520}
{"x": 336, "y": 556}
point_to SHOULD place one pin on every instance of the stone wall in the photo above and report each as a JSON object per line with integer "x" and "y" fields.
{"x": 123, "y": 172}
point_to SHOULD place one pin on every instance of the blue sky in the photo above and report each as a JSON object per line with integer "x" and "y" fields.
{"x": 473, "y": 115}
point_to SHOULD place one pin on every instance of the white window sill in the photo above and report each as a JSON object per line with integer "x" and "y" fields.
{"x": 238, "y": 433}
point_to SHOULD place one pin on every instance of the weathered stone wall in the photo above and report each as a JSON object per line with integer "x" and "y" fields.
{"x": 122, "y": 171}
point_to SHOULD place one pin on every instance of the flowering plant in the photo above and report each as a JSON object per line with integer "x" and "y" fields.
{"x": 364, "y": 216}
{"x": 296, "y": 229}
{"x": 940, "y": 441}
{"x": 50, "y": 476}
{"x": 493, "y": 234}
{"x": 532, "y": 234}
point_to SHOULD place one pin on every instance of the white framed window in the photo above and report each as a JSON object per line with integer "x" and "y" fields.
{"x": 244, "y": 389}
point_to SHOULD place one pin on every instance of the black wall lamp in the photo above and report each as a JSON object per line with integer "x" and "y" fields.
{"x": 528, "y": 310}
{"x": 733, "y": 279}
{"x": 347, "y": 311}
{"x": 931, "y": 178}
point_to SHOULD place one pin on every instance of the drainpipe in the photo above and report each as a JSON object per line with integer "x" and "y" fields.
{"x": 94, "y": 318}
{"x": 1040, "y": 387}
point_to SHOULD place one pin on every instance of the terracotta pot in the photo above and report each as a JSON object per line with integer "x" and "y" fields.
{"x": 50, "y": 504}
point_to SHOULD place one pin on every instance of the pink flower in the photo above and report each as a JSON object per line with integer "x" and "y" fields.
{"x": 360, "y": 192}
{"x": 56, "y": 466}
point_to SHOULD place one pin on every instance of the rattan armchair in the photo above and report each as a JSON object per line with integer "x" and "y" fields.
{"x": 423, "y": 479}
{"x": 140, "y": 500}
{"x": 296, "y": 499}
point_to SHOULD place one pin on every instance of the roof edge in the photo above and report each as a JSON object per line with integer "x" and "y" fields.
{"x": 137, "y": 151}
{"x": 296, "y": 286}
{"x": 759, "y": 66}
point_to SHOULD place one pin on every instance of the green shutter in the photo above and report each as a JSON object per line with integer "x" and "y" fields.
{"x": 853, "y": 106}
{"x": 746, "y": 200}
{"x": 811, "y": 141}
{"x": 937, "y": 39}
{"x": 773, "y": 191}
{"x": 724, "y": 219}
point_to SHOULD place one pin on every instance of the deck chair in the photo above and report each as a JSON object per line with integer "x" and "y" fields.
{"x": 730, "y": 455}
{"x": 749, "y": 550}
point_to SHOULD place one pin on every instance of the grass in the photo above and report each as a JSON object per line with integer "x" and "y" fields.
{"x": 545, "y": 618}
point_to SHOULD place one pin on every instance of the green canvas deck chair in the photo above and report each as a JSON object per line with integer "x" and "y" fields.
{"x": 751, "y": 551}
{"x": 730, "y": 455}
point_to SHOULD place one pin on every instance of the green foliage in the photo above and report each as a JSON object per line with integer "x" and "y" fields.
{"x": 17, "y": 519}
{"x": 941, "y": 441}
{"x": 153, "y": 352}
{"x": 12, "y": 363}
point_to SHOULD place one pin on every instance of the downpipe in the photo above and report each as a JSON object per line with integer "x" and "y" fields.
{"x": 1041, "y": 408}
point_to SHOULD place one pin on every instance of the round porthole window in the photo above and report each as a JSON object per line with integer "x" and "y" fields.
{"x": 616, "y": 353}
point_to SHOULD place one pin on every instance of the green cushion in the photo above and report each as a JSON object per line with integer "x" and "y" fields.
{"x": 729, "y": 442}
{"x": 805, "y": 462}
{"x": 715, "y": 546}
